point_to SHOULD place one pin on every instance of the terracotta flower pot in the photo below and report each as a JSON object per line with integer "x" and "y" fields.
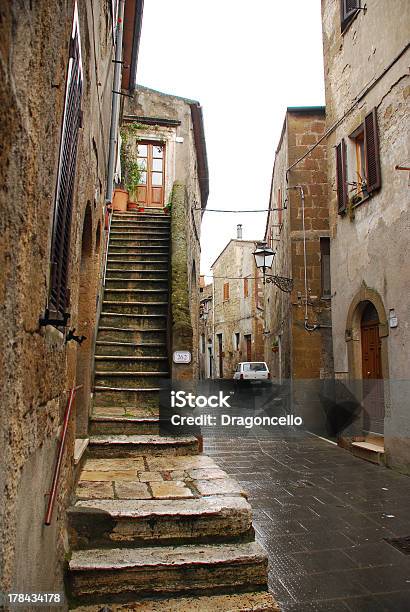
{"x": 120, "y": 200}
{"x": 141, "y": 209}
{"x": 132, "y": 206}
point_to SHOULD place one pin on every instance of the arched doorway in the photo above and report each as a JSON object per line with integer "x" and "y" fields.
{"x": 372, "y": 375}
{"x": 367, "y": 332}
{"x": 84, "y": 326}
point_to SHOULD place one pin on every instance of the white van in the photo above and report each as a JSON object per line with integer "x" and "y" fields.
{"x": 251, "y": 370}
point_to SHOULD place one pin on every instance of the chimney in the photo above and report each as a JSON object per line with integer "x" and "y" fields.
{"x": 239, "y": 231}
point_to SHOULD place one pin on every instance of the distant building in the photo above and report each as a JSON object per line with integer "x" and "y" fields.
{"x": 366, "y": 61}
{"x": 298, "y": 339}
{"x": 165, "y": 135}
{"x": 238, "y": 308}
{"x": 205, "y": 330}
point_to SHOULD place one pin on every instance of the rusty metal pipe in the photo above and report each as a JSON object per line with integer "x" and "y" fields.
{"x": 57, "y": 468}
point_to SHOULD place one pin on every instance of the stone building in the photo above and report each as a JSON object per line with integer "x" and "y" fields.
{"x": 55, "y": 98}
{"x": 100, "y": 297}
{"x": 298, "y": 341}
{"x": 205, "y": 329}
{"x": 366, "y": 60}
{"x": 168, "y": 140}
{"x": 237, "y": 307}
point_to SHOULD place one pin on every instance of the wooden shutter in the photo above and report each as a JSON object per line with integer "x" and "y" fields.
{"x": 245, "y": 288}
{"x": 60, "y": 246}
{"x": 371, "y": 147}
{"x": 348, "y": 10}
{"x": 341, "y": 177}
{"x": 226, "y": 291}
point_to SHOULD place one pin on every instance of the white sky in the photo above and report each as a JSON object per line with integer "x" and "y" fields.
{"x": 245, "y": 62}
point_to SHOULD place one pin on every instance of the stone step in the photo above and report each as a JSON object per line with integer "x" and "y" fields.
{"x": 155, "y": 274}
{"x": 136, "y": 308}
{"x": 146, "y": 251}
{"x": 101, "y": 573}
{"x": 257, "y": 601}
{"x": 137, "y": 255}
{"x": 136, "y": 295}
{"x": 140, "y": 225}
{"x": 131, "y": 243}
{"x": 126, "y": 363}
{"x": 131, "y": 321}
{"x": 130, "y": 349}
{"x": 143, "y": 231}
{"x": 156, "y": 214}
{"x": 135, "y": 397}
{"x": 137, "y": 284}
{"x": 113, "y": 522}
{"x": 111, "y": 446}
{"x": 129, "y": 380}
{"x": 131, "y": 335}
{"x": 132, "y": 262}
{"x": 122, "y": 425}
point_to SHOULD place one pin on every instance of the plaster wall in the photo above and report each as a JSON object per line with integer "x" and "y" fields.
{"x": 36, "y": 366}
{"x": 371, "y": 248}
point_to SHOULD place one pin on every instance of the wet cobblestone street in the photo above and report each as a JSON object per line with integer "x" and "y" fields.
{"x": 325, "y": 519}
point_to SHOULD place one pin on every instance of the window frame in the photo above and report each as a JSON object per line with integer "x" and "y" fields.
{"x": 59, "y": 294}
{"x": 347, "y": 16}
{"x": 226, "y": 292}
{"x": 325, "y": 263}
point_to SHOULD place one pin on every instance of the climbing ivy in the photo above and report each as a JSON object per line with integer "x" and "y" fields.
{"x": 130, "y": 167}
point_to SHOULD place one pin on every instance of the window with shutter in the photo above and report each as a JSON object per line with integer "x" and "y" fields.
{"x": 226, "y": 291}
{"x": 341, "y": 176}
{"x": 245, "y": 288}
{"x": 60, "y": 246}
{"x": 325, "y": 267}
{"x": 371, "y": 148}
{"x": 348, "y": 10}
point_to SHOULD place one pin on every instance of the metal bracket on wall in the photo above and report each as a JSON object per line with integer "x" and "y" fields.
{"x": 282, "y": 282}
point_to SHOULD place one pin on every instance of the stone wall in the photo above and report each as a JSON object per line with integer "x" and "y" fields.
{"x": 240, "y": 313}
{"x": 300, "y": 354}
{"x": 370, "y": 248}
{"x": 37, "y": 367}
{"x": 183, "y": 192}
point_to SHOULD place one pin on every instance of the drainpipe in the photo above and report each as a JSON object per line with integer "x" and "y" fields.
{"x": 115, "y": 103}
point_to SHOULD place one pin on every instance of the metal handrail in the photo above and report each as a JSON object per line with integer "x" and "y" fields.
{"x": 57, "y": 468}
{"x": 110, "y": 213}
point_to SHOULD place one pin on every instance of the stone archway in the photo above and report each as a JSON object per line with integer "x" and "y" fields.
{"x": 367, "y": 324}
{"x": 353, "y": 331}
{"x": 85, "y": 316}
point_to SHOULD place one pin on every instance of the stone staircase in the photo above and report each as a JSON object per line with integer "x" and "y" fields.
{"x": 154, "y": 526}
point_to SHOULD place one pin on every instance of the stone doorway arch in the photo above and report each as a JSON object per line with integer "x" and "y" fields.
{"x": 366, "y": 335}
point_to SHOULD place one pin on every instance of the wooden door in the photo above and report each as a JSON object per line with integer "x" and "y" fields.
{"x": 151, "y": 161}
{"x": 248, "y": 340}
{"x": 373, "y": 388}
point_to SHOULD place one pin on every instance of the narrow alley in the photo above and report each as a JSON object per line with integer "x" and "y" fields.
{"x": 335, "y": 527}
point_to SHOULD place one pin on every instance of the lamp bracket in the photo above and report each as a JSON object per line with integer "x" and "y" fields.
{"x": 282, "y": 282}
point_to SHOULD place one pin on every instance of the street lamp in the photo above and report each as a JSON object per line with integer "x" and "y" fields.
{"x": 264, "y": 259}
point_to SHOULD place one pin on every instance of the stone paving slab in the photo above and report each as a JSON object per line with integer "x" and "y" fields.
{"x": 245, "y": 602}
{"x": 324, "y": 518}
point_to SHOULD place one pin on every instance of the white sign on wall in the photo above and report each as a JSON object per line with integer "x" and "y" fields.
{"x": 182, "y": 357}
